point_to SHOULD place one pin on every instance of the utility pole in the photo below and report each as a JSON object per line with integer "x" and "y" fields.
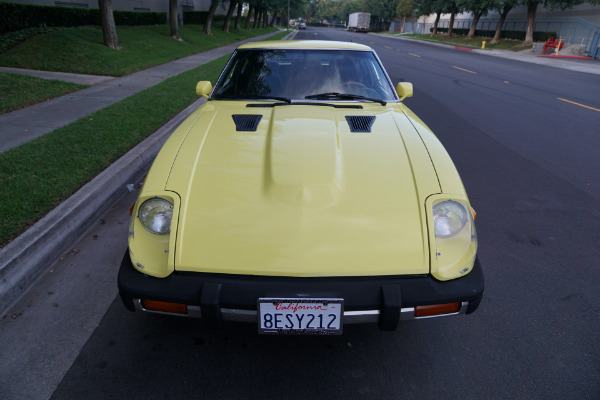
{"x": 288, "y": 16}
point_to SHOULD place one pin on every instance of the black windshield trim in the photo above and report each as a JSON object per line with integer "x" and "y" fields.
{"x": 253, "y": 97}
{"x": 304, "y": 103}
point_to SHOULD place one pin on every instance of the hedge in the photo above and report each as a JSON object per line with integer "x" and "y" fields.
{"x": 15, "y": 17}
{"x": 515, "y": 35}
{"x": 199, "y": 17}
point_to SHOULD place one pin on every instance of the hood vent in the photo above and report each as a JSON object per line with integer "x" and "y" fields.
{"x": 360, "y": 123}
{"x": 246, "y": 122}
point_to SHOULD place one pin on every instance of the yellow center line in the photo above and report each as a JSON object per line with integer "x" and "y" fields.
{"x": 388, "y": 47}
{"x": 466, "y": 70}
{"x": 577, "y": 104}
{"x": 414, "y": 55}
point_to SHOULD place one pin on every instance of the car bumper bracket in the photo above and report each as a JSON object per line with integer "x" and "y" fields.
{"x": 391, "y": 299}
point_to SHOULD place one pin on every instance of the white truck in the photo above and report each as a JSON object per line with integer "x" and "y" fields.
{"x": 359, "y": 22}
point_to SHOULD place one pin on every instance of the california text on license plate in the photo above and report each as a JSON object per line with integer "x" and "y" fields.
{"x": 300, "y": 316}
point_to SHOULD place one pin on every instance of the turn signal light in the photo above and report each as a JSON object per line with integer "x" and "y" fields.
{"x": 437, "y": 309}
{"x": 164, "y": 306}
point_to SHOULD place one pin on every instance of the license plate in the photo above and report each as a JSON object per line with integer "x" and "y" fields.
{"x": 300, "y": 316}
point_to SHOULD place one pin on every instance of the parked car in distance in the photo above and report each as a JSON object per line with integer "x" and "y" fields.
{"x": 303, "y": 196}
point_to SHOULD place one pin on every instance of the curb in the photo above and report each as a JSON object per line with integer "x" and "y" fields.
{"x": 31, "y": 254}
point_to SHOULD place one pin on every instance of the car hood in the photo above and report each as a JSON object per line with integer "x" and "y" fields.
{"x": 302, "y": 195}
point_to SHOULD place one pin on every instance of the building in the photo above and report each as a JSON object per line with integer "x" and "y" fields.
{"x": 130, "y": 5}
{"x": 579, "y": 25}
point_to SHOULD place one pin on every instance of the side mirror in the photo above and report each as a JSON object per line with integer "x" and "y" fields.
{"x": 404, "y": 90}
{"x": 204, "y": 88}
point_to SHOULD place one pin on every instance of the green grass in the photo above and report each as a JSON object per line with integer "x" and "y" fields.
{"x": 80, "y": 50}
{"x": 18, "y": 91}
{"x": 37, "y": 176}
{"x": 475, "y": 43}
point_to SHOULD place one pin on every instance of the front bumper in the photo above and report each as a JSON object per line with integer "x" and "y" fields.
{"x": 379, "y": 299}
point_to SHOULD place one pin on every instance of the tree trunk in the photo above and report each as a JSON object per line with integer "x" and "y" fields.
{"x": 255, "y": 23}
{"x": 248, "y": 18}
{"x": 451, "y": 24}
{"x": 209, "y": 18}
{"x": 230, "y": 11}
{"x": 173, "y": 19}
{"x": 503, "y": 16}
{"x": 531, "y": 10}
{"x": 435, "y": 24}
{"x": 476, "y": 16}
{"x": 238, "y": 17}
{"x": 109, "y": 31}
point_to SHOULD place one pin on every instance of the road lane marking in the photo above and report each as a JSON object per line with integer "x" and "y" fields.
{"x": 578, "y": 104}
{"x": 462, "y": 69}
{"x": 414, "y": 55}
{"x": 388, "y": 47}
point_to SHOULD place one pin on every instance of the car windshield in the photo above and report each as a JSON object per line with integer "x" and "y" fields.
{"x": 301, "y": 74}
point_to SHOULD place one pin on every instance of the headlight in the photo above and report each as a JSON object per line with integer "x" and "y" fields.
{"x": 452, "y": 236}
{"x": 155, "y": 215}
{"x": 449, "y": 217}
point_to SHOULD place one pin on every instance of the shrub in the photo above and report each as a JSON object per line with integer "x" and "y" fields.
{"x": 15, "y": 17}
{"x": 199, "y": 17}
{"x": 515, "y": 35}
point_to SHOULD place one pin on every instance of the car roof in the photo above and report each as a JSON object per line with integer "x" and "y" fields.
{"x": 305, "y": 44}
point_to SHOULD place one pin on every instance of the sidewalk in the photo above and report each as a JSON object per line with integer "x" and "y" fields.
{"x": 30, "y": 255}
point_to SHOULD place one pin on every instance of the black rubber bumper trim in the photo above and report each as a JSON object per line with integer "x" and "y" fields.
{"x": 215, "y": 291}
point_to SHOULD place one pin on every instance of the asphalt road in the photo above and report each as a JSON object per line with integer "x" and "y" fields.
{"x": 530, "y": 166}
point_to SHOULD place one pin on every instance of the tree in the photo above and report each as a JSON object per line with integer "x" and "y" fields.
{"x": 109, "y": 31}
{"x": 209, "y": 18}
{"x": 453, "y": 8}
{"x": 247, "y": 25}
{"x": 173, "y": 19}
{"x": 256, "y": 15}
{"x": 503, "y": 7}
{"x": 238, "y": 17}
{"x": 478, "y": 8}
{"x": 552, "y": 4}
{"x": 531, "y": 10}
{"x": 404, "y": 9}
{"x": 427, "y": 7}
{"x": 232, "y": 5}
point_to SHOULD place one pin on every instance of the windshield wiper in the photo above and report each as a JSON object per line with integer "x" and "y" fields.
{"x": 344, "y": 96}
{"x": 253, "y": 97}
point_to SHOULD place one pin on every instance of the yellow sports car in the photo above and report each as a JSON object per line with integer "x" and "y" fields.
{"x": 303, "y": 196}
